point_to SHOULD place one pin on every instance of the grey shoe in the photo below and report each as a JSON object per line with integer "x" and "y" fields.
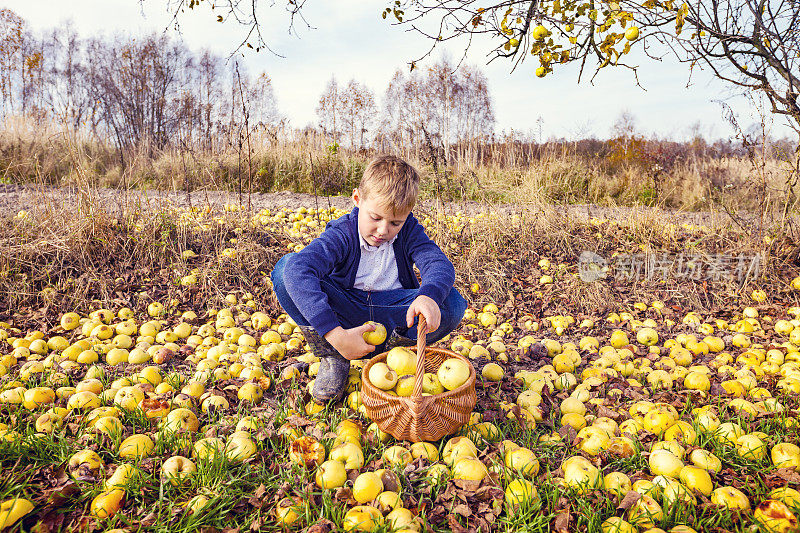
{"x": 334, "y": 369}
{"x": 398, "y": 339}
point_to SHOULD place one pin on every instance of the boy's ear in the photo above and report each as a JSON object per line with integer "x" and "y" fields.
{"x": 356, "y": 197}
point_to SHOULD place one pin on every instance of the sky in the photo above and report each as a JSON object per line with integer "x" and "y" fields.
{"x": 348, "y": 39}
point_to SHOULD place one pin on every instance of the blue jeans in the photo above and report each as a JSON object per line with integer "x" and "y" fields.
{"x": 353, "y": 307}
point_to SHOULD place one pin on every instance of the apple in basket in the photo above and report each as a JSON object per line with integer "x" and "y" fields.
{"x": 382, "y": 376}
{"x": 453, "y": 373}
{"x": 401, "y": 360}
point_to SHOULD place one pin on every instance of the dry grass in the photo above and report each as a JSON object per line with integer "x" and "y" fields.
{"x": 69, "y": 259}
{"x": 558, "y": 173}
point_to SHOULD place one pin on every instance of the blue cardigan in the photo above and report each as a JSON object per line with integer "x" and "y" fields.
{"x": 335, "y": 254}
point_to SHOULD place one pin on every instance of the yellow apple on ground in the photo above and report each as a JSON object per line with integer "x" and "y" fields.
{"x": 12, "y": 510}
{"x": 348, "y": 453}
{"x": 728, "y": 433}
{"x": 426, "y": 450}
{"x": 469, "y": 468}
{"x": 240, "y": 447}
{"x": 457, "y": 448}
{"x": 307, "y": 451}
{"x": 437, "y": 473}
{"x": 697, "y": 479}
{"x": 786, "y": 455}
{"x": 136, "y": 447}
{"x": 615, "y": 524}
{"x": 396, "y": 455}
{"x": 492, "y": 372}
{"x": 367, "y": 486}
{"x": 109, "y": 425}
{"x": 181, "y": 418}
{"x": 522, "y": 461}
{"x": 250, "y": 392}
{"x": 85, "y": 463}
{"x": 621, "y": 446}
{"x": 521, "y": 494}
{"x": 647, "y": 336}
{"x": 287, "y": 511}
{"x": 331, "y": 474}
{"x": 645, "y": 513}
{"x": 362, "y": 518}
{"x": 617, "y": 483}
{"x": 789, "y": 496}
{"x": 121, "y": 476}
{"x": 388, "y": 501}
{"x": 402, "y": 519}
{"x": 665, "y": 463}
{"x": 775, "y": 516}
{"x": 107, "y": 503}
{"x": 581, "y": 475}
{"x": 210, "y": 449}
{"x": 705, "y": 459}
{"x": 730, "y": 497}
{"x": 178, "y": 469}
{"x": 751, "y": 447}
{"x": 681, "y": 431}
{"x": 644, "y": 486}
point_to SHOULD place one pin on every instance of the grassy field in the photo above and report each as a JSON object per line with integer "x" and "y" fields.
{"x": 180, "y": 300}
{"x": 625, "y": 171}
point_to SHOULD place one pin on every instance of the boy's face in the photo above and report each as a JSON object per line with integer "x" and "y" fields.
{"x": 377, "y": 223}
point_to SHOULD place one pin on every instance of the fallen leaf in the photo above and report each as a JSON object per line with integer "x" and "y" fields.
{"x": 630, "y": 499}
{"x": 562, "y": 522}
{"x": 463, "y": 510}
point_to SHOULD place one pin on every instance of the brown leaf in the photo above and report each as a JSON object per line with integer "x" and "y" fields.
{"x": 602, "y": 410}
{"x": 630, "y": 499}
{"x": 489, "y": 492}
{"x": 568, "y": 433}
{"x": 467, "y": 484}
{"x": 149, "y": 520}
{"x": 463, "y": 510}
{"x": 343, "y": 494}
{"x": 322, "y": 526}
{"x": 257, "y": 523}
{"x": 562, "y": 522}
{"x": 455, "y": 525}
{"x": 789, "y": 475}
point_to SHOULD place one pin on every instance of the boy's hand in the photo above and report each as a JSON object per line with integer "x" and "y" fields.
{"x": 350, "y": 342}
{"x": 425, "y": 306}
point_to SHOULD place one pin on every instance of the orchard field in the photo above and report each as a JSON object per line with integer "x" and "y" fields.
{"x": 150, "y": 382}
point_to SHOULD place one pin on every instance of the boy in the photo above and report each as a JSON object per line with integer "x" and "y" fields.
{"x": 360, "y": 269}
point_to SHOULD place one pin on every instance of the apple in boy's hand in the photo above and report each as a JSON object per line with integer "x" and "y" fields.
{"x": 377, "y": 335}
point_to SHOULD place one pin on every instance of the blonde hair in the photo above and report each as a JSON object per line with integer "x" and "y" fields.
{"x": 391, "y": 179}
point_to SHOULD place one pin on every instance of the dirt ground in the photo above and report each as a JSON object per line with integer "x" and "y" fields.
{"x": 33, "y": 198}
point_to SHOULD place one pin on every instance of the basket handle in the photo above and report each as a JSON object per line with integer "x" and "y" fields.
{"x": 422, "y": 331}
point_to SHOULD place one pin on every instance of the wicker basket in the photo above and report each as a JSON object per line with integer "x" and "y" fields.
{"x": 420, "y": 418}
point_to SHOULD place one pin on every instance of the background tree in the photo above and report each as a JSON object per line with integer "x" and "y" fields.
{"x": 329, "y": 110}
{"x": 357, "y": 103}
{"x": 751, "y": 44}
